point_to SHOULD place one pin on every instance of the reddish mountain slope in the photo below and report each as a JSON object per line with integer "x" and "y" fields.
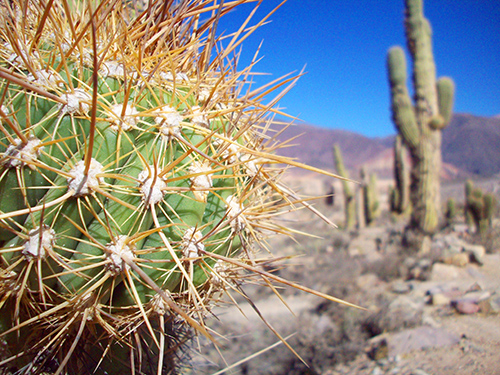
{"x": 471, "y": 146}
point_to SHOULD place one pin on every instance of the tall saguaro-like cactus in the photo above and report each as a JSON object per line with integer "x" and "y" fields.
{"x": 420, "y": 122}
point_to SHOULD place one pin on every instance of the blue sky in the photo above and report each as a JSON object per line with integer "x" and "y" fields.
{"x": 343, "y": 46}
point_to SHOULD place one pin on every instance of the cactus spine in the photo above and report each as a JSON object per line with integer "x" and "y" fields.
{"x": 134, "y": 186}
{"x": 420, "y": 124}
{"x": 349, "y": 200}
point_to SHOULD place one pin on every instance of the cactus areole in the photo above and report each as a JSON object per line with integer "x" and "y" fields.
{"x": 136, "y": 181}
{"x": 420, "y": 122}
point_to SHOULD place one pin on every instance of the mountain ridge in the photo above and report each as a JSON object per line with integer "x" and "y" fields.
{"x": 470, "y": 147}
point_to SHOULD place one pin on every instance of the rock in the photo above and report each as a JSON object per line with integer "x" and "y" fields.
{"x": 472, "y": 302}
{"x": 367, "y": 281}
{"x": 418, "y": 372}
{"x": 384, "y": 362}
{"x": 405, "y": 267}
{"x": 475, "y": 252}
{"x": 460, "y": 228}
{"x": 403, "y": 312}
{"x": 475, "y": 297}
{"x": 470, "y": 348}
{"x": 466, "y": 307}
{"x": 361, "y": 246}
{"x": 447, "y": 245}
{"x": 452, "y": 244}
{"x": 442, "y": 295}
{"x": 324, "y": 324}
{"x": 485, "y": 307}
{"x": 474, "y": 288}
{"x": 490, "y": 305}
{"x": 460, "y": 259}
{"x": 378, "y": 350}
{"x": 439, "y": 299}
{"x": 426, "y": 246}
{"x": 419, "y": 338}
{"x": 435, "y": 289}
{"x": 444, "y": 272}
{"x": 417, "y": 273}
{"x": 495, "y": 303}
{"x": 410, "y": 262}
{"x": 425, "y": 263}
{"x": 377, "y": 371}
{"x": 449, "y": 291}
{"x": 400, "y": 287}
{"x": 420, "y": 270}
{"x": 474, "y": 273}
{"x": 428, "y": 320}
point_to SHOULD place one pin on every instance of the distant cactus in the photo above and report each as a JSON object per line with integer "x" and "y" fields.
{"x": 370, "y": 197}
{"x": 393, "y": 199}
{"x": 451, "y": 211}
{"x": 420, "y": 124}
{"x": 490, "y": 206}
{"x": 469, "y": 219}
{"x": 400, "y": 194}
{"x": 480, "y": 208}
{"x": 349, "y": 201}
{"x": 360, "y": 207}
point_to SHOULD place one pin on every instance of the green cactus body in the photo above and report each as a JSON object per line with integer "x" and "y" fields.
{"x": 420, "y": 123}
{"x": 370, "y": 197}
{"x": 349, "y": 201}
{"x": 480, "y": 208}
{"x": 451, "y": 211}
{"x": 469, "y": 219}
{"x": 400, "y": 197}
{"x": 133, "y": 182}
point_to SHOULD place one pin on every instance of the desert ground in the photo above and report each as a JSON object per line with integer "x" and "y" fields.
{"x": 427, "y": 313}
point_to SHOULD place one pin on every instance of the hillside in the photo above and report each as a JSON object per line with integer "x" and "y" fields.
{"x": 314, "y": 146}
{"x": 471, "y": 147}
{"x": 473, "y": 143}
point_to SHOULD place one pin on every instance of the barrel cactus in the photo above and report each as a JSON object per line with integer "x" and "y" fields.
{"x": 136, "y": 180}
